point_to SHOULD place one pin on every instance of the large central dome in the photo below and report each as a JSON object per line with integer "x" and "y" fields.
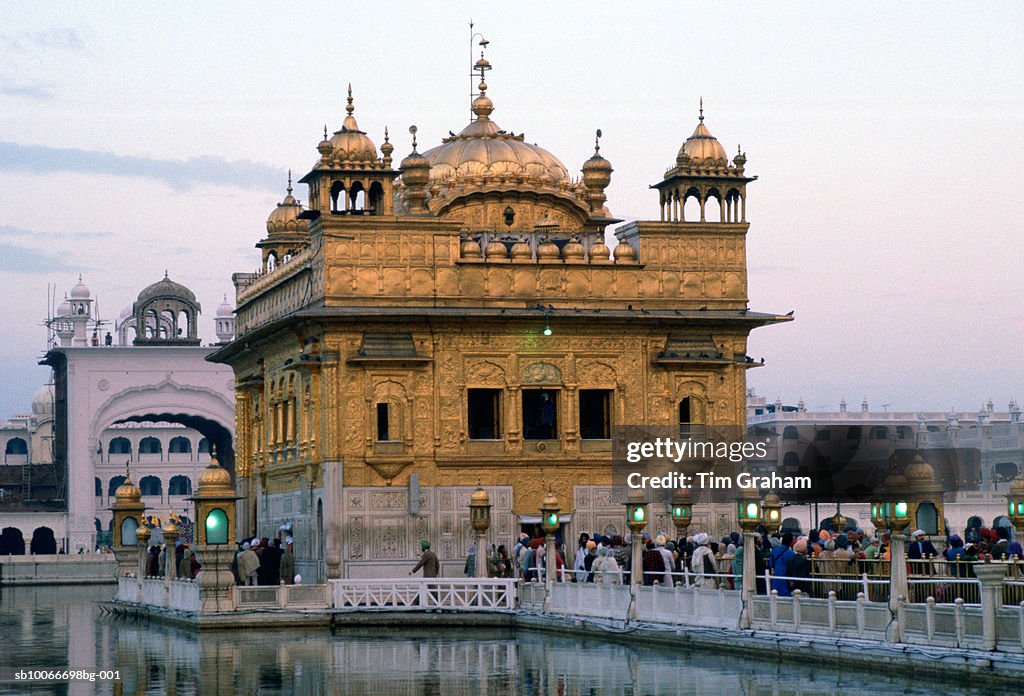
{"x": 482, "y": 149}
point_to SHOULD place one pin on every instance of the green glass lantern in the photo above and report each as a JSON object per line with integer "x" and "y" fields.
{"x": 549, "y": 509}
{"x": 636, "y": 510}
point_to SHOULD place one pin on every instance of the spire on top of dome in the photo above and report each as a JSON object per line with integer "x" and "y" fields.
{"x": 349, "y": 124}
{"x": 702, "y": 109}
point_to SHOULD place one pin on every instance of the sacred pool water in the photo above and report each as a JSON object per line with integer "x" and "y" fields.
{"x": 61, "y": 628}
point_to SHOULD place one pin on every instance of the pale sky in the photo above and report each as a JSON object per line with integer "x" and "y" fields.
{"x": 887, "y": 137}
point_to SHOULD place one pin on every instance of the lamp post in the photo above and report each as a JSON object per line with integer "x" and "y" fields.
{"x": 897, "y": 517}
{"x": 772, "y": 509}
{"x": 170, "y": 532}
{"x": 480, "y": 519}
{"x": 142, "y": 534}
{"x": 748, "y": 514}
{"x": 127, "y": 509}
{"x": 636, "y": 520}
{"x": 550, "y": 521}
{"x": 215, "y": 533}
{"x": 682, "y": 511}
{"x": 1015, "y": 505}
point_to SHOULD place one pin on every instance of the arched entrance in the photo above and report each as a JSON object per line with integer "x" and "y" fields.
{"x": 43, "y": 541}
{"x": 12, "y": 543}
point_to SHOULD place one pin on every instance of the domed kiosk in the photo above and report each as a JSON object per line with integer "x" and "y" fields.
{"x": 166, "y": 313}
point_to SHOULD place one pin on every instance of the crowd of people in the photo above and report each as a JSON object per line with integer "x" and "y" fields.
{"x": 791, "y": 559}
{"x": 264, "y": 561}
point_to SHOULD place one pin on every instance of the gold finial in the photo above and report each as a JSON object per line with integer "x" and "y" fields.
{"x": 325, "y": 131}
{"x": 413, "y": 129}
{"x": 349, "y": 107}
{"x": 289, "y": 182}
{"x": 702, "y": 109}
{"x": 127, "y": 474}
{"x": 597, "y": 143}
{"x": 386, "y": 134}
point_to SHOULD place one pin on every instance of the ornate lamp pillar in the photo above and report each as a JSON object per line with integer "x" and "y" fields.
{"x": 142, "y": 534}
{"x": 636, "y": 520}
{"x": 215, "y": 533}
{"x": 772, "y": 509}
{"x": 682, "y": 511}
{"x": 748, "y": 514}
{"x": 1015, "y": 506}
{"x": 127, "y": 509}
{"x": 897, "y": 517}
{"x": 550, "y": 521}
{"x": 480, "y": 518}
{"x": 170, "y": 532}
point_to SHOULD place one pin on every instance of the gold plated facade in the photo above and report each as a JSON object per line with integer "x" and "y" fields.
{"x": 475, "y": 283}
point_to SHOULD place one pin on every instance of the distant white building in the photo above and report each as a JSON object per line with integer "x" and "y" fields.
{"x": 987, "y": 444}
{"x": 145, "y": 398}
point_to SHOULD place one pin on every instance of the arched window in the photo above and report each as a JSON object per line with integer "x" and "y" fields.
{"x": 12, "y": 543}
{"x": 879, "y": 432}
{"x": 99, "y": 487}
{"x": 179, "y": 445}
{"x": 114, "y": 484}
{"x": 179, "y": 485}
{"x": 790, "y": 433}
{"x": 338, "y": 199}
{"x": 204, "y": 446}
{"x": 853, "y": 432}
{"x": 904, "y": 432}
{"x": 376, "y": 203}
{"x": 691, "y": 206}
{"x": 151, "y": 485}
{"x": 119, "y": 445}
{"x": 928, "y": 518}
{"x": 1006, "y": 471}
{"x": 43, "y": 541}
{"x": 150, "y": 445}
{"x": 791, "y": 462}
{"x": 713, "y": 207}
{"x": 357, "y": 198}
{"x": 16, "y": 445}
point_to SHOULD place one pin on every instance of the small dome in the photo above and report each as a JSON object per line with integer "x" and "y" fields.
{"x": 225, "y": 309}
{"x": 415, "y": 168}
{"x": 470, "y": 249}
{"x": 166, "y": 288}
{"x": 919, "y": 471}
{"x": 285, "y": 216}
{"x": 624, "y": 252}
{"x": 521, "y": 249}
{"x": 548, "y": 250}
{"x": 496, "y": 250}
{"x": 351, "y": 144}
{"x": 42, "y": 401}
{"x": 597, "y": 171}
{"x": 170, "y": 528}
{"x": 128, "y": 492}
{"x": 479, "y": 497}
{"x": 64, "y": 309}
{"x": 600, "y": 251}
{"x": 80, "y": 291}
{"x": 573, "y": 251}
{"x": 702, "y": 147}
{"x": 215, "y": 479}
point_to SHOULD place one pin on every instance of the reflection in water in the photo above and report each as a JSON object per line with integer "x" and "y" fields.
{"x": 60, "y": 628}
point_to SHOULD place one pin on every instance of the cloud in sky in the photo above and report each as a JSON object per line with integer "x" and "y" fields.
{"x": 12, "y": 231}
{"x": 180, "y": 175}
{"x": 38, "y": 91}
{"x": 19, "y": 259}
{"x": 57, "y": 38}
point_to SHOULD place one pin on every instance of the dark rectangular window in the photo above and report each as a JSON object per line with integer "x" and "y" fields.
{"x": 596, "y": 414}
{"x": 382, "y": 422}
{"x": 484, "y": 414}
{"x": 540, "y": 414}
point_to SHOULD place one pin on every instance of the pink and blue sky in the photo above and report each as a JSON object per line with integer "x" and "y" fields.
{"x": 137, "y": 137}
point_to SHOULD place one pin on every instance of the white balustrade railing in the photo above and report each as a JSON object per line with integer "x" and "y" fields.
{"x": 484, "y": 594}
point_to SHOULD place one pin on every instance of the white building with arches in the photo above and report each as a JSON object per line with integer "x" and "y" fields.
{"x": 148, "y": 400}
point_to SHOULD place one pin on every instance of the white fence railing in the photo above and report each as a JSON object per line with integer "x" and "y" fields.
{"x": 485, "y": 594}
{"x": 281, "y": 596}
